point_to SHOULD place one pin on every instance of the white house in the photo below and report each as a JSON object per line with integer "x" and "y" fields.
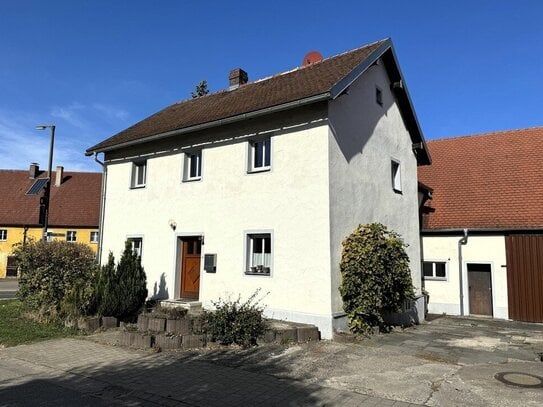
{"x": 257, "y": 186}
{"x": 483, "y": 228}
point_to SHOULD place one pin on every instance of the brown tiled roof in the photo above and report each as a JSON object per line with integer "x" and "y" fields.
{"x": 75, "y": 203}
{"x": 301, "y": 83}
{"x": 486, "y": 181}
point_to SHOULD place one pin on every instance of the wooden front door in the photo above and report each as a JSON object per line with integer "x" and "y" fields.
{"x": 191, "y": 250}
{"x": 480, "y": 289}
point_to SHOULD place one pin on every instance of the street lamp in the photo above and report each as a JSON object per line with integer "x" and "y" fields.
{"x": 48, "y": 185}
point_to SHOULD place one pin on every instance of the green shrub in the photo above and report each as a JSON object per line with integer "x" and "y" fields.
{"x": 50, "y": 270}
{"x": 121, "y": 290}
{"x": 375, "y": 276}
{"x": 235, "y": 321}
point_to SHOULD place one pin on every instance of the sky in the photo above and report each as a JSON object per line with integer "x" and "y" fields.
{"x": 94, "y": 68}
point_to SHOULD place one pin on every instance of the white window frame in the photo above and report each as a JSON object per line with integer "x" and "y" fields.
{"x": 96, "y": 234}
{"x": 251, "y": 167}
{"x": 3, "y": 235}
{"x": 71, "y": 236}
{"x": 138, "y": 166}
{"x": 434, "y": 277}
{"x": 250, "y": 236}
{"x": 133, "y": 240}
{"x": 396, "y": 175}
{"x": 189, "y": 156}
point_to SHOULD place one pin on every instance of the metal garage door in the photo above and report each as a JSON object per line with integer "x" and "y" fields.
{"x": 525, "y": 277}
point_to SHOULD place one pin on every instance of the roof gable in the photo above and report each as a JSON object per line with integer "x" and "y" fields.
{"x": 486, "y": 181}
{"x": 75, "y": 203}
{"x": 319, "y": 81}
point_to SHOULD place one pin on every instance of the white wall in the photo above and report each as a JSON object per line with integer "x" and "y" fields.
{"x": 445, "y": 295}
{"x": 291, "y": 200}
{"x": 364, "y": 137}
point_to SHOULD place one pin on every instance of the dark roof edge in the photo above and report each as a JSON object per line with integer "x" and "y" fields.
{"x": 386, "y": 50}
{"x": 458, "y": 231}
{"x": 215, "y": 123}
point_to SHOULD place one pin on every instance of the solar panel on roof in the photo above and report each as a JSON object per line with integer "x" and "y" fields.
{"x": 37, "y": 186}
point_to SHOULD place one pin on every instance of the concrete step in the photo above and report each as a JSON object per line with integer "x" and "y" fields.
{"x": 193, "y": 307}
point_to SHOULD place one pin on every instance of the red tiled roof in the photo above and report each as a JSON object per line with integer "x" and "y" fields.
{"x": 75, "y": 203}
{"x": 301, "y": 83}
{"x": 486, "y": 181}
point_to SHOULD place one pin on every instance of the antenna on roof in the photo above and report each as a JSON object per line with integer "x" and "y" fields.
{"x": 312, "y": 57}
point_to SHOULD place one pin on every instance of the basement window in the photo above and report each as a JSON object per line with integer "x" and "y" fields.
{"x": 434, "y": 270}
{"x": 259, "y": 254}
{"x": 3, "y": 235}
{"x": 139, "y": 174}
{"x": 71, "y": 236}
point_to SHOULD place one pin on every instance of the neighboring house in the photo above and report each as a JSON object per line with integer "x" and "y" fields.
{"x": 257, "y": 186}
{"x": 487, "y": 188}
{"x": 74, "y": 210}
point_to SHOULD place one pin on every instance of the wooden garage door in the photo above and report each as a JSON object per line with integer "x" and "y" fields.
{"x": 525, "y": 277}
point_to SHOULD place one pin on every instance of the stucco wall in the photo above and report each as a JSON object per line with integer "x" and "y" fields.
{"x": 364, "y": 138}
{"x": 445, "y": 295}
{"x": 291, "y": 200}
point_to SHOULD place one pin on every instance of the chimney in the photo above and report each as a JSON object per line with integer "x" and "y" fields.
{"x": 59, "y": 175}
{"x": 34, "y": 170}
{"x": 237, "y": 78}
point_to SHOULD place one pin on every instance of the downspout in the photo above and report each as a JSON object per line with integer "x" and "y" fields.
{"x": 102, "y": 209}
{"x": 461, "y": 242}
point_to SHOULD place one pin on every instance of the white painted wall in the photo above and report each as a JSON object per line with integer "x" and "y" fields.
{"x": 291, "y": 200}
{"x": 445, "y": 295}
{"x": 364, "y": 138}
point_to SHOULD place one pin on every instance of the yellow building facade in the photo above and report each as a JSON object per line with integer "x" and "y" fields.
{"x": 11, "y": 236}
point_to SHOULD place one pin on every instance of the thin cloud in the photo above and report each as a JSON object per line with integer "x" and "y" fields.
{"x": 111, "y": 112}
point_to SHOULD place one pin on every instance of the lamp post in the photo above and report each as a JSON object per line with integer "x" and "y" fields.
{"x": 48, "y": 185}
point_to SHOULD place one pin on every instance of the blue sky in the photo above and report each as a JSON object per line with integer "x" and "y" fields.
{"x": 93, "y": 68}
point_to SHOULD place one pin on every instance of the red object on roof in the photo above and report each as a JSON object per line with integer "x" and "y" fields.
{"x": 75, "y": 203}
{"x": 312, "y": 57}
{"x": 486, "y": 181}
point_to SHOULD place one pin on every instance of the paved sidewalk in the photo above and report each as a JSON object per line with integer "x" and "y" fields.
{"x": 8, "y": 288}
{"x": 84, "y": 373}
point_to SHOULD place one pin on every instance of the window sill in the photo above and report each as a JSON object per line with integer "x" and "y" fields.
{"x": 257, "y": 170}
{"x": 192, "y": 179}
{"x": 137, "y": 186}
{"x": 397, "y": 191}
{"x": 250, "y": 273}
{"x": 435, "y": 278}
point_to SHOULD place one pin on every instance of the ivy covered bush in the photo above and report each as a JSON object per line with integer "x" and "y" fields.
{"x": 375, "y": 276}
{"x": 236, "y": 322}
{"x": 51, "y": 271}
{"x": 120, "y": 290}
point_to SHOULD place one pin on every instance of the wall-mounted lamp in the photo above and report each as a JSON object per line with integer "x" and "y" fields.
{"x": 173, "y": 224}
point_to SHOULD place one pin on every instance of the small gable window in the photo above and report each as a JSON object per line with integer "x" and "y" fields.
{"x": 193, "y": 166}
{"x": 396, "y": 175}
{"x": 378, "y": 96}
{"x": 259, "y": 155}
{"x": 139, "y": 174}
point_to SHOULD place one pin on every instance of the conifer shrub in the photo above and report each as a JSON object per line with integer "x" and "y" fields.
{"x": 120, "y": 291}
{"x": 235, "y": 321}
{"x": 375, "y": 276}
{"x": 50, "y": 272}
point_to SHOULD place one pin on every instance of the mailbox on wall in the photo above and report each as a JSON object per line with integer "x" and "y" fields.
{"x": 210, "y": 263}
